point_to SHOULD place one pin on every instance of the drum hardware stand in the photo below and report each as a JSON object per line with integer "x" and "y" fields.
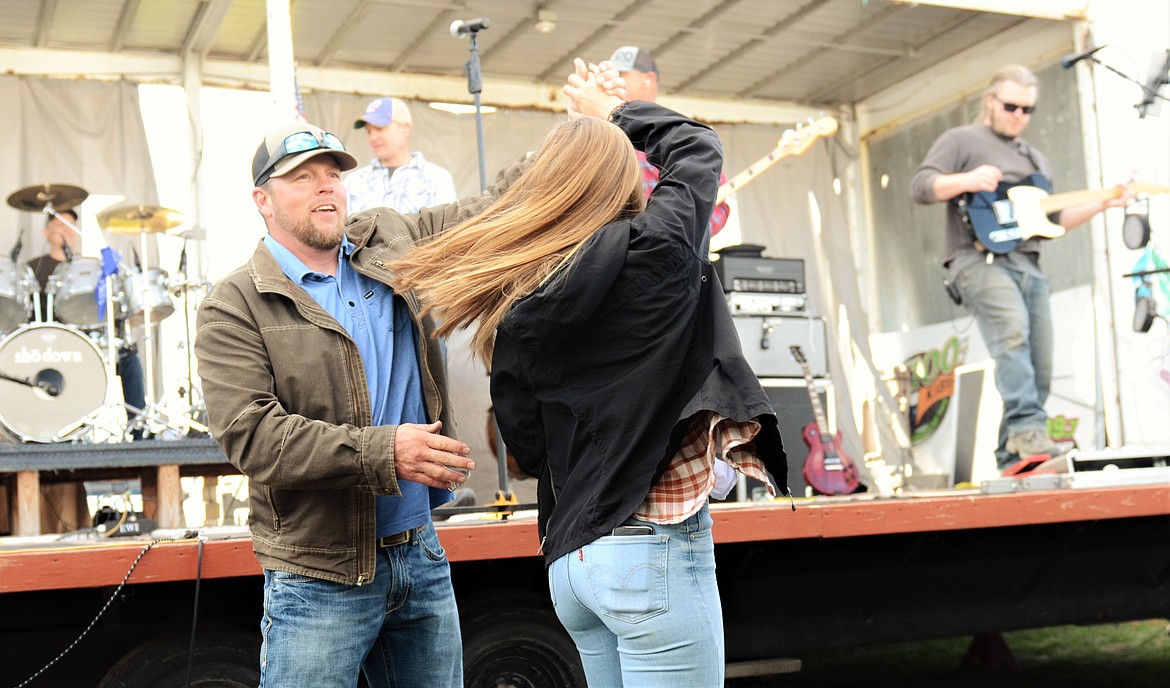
{"x": 115, "y": 401}
{"x": 142, "y": 220}
{"x": 195, "y": 407}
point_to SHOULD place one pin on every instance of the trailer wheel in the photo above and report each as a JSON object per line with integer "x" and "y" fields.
{"x": 523, "y": 646}
{"x": 224, "y": 658}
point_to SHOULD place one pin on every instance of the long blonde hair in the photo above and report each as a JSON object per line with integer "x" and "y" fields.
{"x": 584, "y": 175}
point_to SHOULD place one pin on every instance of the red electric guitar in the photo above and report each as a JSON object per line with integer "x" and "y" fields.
{"x": 828, "y": 470}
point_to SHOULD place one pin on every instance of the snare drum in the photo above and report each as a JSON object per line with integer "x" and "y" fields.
{"x": 73, "y": 286}
{"x": 62, "y": 357}
{"x": 17, "y": 285}
{"x": 140, "y": 289}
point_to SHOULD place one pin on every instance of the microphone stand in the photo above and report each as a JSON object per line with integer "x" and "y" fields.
{"x": 475, "y": 86}
{"x": 1148, "y": 94}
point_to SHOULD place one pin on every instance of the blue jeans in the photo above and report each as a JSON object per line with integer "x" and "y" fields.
{"x": 644, "y": 610}
{"x": 401, "y": 630}
{"x": 1014, "y": 316}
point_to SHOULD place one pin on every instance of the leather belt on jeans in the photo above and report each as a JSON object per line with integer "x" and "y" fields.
{"x": 396, "y": 539}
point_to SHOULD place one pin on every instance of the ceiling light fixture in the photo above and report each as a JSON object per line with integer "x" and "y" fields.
{"x": 546, "y": 21}
{"x": 462, "y": 108}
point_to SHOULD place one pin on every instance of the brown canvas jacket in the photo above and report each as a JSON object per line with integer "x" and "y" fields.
{"x": 287, "y": 400}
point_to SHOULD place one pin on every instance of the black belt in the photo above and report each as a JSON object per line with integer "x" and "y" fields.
{"x": 396, "y": 539}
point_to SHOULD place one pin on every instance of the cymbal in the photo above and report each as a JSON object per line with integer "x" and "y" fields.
{"x": 137, "y": 219}
{"x": 35, "y": 198}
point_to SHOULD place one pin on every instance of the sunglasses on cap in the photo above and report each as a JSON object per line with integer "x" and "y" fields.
{"x": 1012, "y": 107}
{"x": 299, "y": 142}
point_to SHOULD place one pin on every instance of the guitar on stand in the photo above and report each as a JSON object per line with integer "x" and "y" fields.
{"x": 1018, "y": 211}
{"x": 828, "y": 469}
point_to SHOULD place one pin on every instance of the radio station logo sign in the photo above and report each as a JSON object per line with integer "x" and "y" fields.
{"x": 932, "y": 386}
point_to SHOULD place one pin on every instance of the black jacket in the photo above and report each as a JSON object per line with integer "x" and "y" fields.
{"x": 596, "y": 374}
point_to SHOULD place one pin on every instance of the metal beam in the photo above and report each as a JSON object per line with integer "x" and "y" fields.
{"x": 1040, "y": 9}
{"x": 504, "y": 93}
{"x": 202, "y": 32}
{"x": 355, "y": 16}
{"x": 564, "y": 64}
{"x": 756, "y": 40}
{"x": 812, "y": 57}
{"x": 122, "y": 27}
{"x": 44, "y": 23}
{"x": 441, "y": 20}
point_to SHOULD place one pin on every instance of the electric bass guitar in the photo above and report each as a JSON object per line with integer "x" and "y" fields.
{"x": 1018, "y": 211}
{"x": 793, "y": 142}
{"x": 828, "y": 470}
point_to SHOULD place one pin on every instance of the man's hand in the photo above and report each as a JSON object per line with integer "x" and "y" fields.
{"x": 424, "y": 456}
{"x": 983, "y": 178}
{"x": 587, "y": 95}
{"x": 1123, "y": 195}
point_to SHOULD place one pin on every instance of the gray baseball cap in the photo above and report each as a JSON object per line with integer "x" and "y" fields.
{"x": 285, "y": 148}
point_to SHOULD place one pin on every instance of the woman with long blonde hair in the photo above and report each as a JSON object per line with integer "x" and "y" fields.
{"x": 616, "y": 376}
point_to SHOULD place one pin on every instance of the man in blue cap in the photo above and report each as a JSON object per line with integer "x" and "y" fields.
{"x": 397, "y": 177}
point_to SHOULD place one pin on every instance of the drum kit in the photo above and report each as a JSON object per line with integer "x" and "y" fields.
{"x": 58, "y": 362}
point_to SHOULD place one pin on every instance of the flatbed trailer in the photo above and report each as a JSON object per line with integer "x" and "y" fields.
{"x": 834, "y": 572}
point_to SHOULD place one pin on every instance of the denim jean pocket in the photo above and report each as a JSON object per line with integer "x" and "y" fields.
{"x": 628, "y": 576}
{"x": 428, "y": 539}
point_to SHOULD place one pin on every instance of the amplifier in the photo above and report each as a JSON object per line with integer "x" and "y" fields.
{"x": 755, "y": 303}
{"x": 740, "y": 273}
{"x": 765, "y": 341}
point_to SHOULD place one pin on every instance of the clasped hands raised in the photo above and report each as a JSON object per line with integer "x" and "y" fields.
{"x": 594, "y": 90}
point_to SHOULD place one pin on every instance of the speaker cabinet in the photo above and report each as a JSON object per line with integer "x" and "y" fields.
{"x": 793, "y": 412}
{"x": 765, "y": 341}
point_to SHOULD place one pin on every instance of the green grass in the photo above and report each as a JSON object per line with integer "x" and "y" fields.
{"x": 1126, "y": 655}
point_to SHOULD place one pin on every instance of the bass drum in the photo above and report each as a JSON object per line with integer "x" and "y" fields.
{"x": 17, "y": 283}
{"x": 59, "y": 356}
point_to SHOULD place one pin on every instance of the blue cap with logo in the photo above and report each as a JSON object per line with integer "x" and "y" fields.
{"x": 379, "y": 112}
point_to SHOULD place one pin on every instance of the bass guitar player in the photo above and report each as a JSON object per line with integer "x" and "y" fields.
{"x": 1005, "y": 290}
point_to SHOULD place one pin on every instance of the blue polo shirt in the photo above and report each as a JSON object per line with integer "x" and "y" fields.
{"x": 378, "y": 321}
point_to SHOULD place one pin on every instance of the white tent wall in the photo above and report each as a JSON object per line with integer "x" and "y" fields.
{"x": 81, "y": 133}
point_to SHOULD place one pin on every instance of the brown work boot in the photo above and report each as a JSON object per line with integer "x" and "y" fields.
{"x": 1033, "y": 442}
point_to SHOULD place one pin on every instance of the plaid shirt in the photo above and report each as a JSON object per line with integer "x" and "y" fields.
{"x": 683, "y": 489}
{"x": 416, "y": 185}
{"x": 650, "y": 180}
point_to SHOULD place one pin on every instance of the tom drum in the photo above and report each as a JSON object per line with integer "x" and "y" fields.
{"x": 17, "y": 284}
{"x": 142, "y": 288}
{"x": 73, "y": 285}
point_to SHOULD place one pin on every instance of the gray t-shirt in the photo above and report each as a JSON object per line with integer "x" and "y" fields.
{"x": 962, "y": 149}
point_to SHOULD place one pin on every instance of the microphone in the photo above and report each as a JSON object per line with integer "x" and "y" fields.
{"x": 460, "y": 28}
{"x": 15, "y": 253}
{"x": 68, "y": 252}
{"x": 1070, "y": 60}
{"x": 50, "y": 381}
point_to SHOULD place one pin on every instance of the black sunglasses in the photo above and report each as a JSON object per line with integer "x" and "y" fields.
{"x": 1012, "y": 107}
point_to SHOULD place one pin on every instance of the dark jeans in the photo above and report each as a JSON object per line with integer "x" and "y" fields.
{"x": 129, "y": 369}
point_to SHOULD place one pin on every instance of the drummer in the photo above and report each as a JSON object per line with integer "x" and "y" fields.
{"x": 64, "y": 243}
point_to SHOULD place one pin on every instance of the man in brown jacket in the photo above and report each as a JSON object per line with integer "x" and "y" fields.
{"x": 328, "y": 391}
